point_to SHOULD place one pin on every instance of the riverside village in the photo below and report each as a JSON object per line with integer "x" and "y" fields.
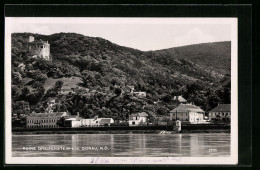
{"x": 140, "y": 113}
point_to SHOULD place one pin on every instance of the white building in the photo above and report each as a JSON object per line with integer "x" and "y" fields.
{"x": 187, "y": 113}
{"x": 39, "y": 48}
{"x": 140, "y": 94}
{"x": 221, "y": 112}
{"x": 179, "y": 99}
{"x": 73, "y": 121}
{"x": 97, "y": 122}
{"x": 138, "y": 119}
{"x": 76, "y": 121}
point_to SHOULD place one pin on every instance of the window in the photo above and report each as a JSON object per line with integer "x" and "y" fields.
{"x": 133, "y": 123}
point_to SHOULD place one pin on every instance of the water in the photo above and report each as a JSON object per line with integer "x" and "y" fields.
{"x": 121, "y": 145}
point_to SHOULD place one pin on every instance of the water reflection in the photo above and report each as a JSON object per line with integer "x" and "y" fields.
{"x": 123, "y": 145}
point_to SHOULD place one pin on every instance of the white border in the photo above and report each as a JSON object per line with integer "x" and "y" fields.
{"x": 233, "y": 159}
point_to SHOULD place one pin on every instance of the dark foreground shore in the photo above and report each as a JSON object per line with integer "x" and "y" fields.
{"x": 120, "y": 132}
{"x": 192, "y": 128}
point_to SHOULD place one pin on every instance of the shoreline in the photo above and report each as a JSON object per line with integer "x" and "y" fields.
{"x": 120, "y": 132}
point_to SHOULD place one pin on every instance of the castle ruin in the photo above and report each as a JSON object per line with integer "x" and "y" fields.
{"x": 39, "y": 48}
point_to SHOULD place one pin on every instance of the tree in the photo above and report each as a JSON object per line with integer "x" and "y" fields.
{"x": 16, "y": 92}
{"x": 58, "y": 85}
{"x": 21, "y": 107}
{"x": 16, "y": 78}
{"x": 118, "y": 91}
{"x": 90, "y": 78}
{"x": 167, "y": 98}
{"x": 162, "y": 110}
{"x": 52, "y": 92}
{"x": 41, "y": 77}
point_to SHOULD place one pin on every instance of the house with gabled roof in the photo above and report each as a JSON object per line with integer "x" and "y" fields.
{"x": 187, "y": 113}
{"x": 44, "y": 120}
{"x": 222, "y": 112}
{"x": 138, "y": 119}
{"x": 179, "y": 99}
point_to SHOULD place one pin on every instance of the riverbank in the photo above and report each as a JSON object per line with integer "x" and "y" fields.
{"x": 119, "y": 132}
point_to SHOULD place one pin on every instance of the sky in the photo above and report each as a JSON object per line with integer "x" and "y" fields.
{"x": 140, "y": 33}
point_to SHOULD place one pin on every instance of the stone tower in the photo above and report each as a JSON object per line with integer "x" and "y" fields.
{"x": 31, "y": 39}
{"x": 39, "y": 48}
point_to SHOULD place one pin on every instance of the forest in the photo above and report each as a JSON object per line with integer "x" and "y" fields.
{"x": 200, "y": 73}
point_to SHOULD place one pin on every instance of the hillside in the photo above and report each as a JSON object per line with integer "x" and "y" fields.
{"x": 211, "y": 56}
{"x": 106, "y": 69}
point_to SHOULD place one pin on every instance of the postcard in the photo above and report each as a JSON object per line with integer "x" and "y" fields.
{"x": 85, "y": 90}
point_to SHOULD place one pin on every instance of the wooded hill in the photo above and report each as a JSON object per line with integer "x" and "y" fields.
{"x": 200, "y": 73}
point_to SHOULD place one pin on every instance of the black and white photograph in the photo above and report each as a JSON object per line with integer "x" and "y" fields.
{"x": 121, "y": 90}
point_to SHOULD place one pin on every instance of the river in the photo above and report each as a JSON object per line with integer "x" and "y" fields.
{"x": 122, "y": 145}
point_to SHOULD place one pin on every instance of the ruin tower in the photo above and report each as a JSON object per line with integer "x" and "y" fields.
{"x": 31, "y": 39}
{"x": 39, "y": 48}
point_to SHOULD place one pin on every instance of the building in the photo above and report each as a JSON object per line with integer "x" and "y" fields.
{"x": 130, "y": 89}
{"x": 81, "y": 90}
{"x": 44, "y": 120}
{"x": 76, "y": 121}
{"x": 138, "y": 119}
{"x": 66, "y": 91}
{"x": 187, "y": 113}
{"x": 72, "y": 121}
{"x": 222, "y": 112}
{"x": 179, "y": 99}
{"x": 140, "y": 94}
{"x": 162, "y": 120}
{"x": 39, "y": 48}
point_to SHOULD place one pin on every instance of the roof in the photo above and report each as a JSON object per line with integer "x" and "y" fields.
{"x": 51, "y": 100}
{"x": 43, "y": 115}
{"x": 140, "y": 92}
{"x": 142, "y": 114}
{"x": 179, "y": 98}
{"x": 222, "y": 108}
{"x": 105, "y": 121}
{"x": 187, "y": 107}
{"x": 73, "y": 117}
{"x": 38, "y": 42}
{"x": 131, "y": 87}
